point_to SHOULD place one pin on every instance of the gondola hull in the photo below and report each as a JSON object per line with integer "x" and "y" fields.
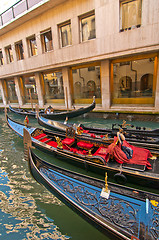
{"x": 56, "y": 115}
{"x": 121, "y": 173}
{"x": 137, "y": 211}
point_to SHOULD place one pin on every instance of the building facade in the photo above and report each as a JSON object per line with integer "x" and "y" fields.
{"x": 65, "y": 52}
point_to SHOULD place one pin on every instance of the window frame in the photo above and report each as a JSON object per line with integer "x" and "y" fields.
{"x": 137, "y": 25}
{"x": 19, "y": 50}
{"x": 1, "y": 58}
{"x": 30, "y": 46}
{"x": 60, "y": 26}
{"x": 137, "y": 100}
{"x": 43, "y": 42}
{"x": 9, "y": 54}
{"x": 84, "y": 16}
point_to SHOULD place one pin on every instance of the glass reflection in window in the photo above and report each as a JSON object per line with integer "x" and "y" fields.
{"x": 86, "y": 82}
{"x": 133, "y": 79}
{"x": 30, "y": 91}
{"x": 12, "y": 95}
{"x": 88, "y": 28}
{"x": 53, "y": 86}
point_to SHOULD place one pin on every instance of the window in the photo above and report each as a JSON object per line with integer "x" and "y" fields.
{"x": 12, "y": 96}
{"x": 46, "y": 39}
{"x": 65, "y": 34}
{"x": 133, "y": 80}
{"x": 53, "y": 87}
{"x": 9, "y": 54}
{"x": 19, "y": 50}
{"x": 1, "y": 58}
{"x": 30, "y": 91}
{"x": 130, "y": 14}
{"x": 87, "y": 26}
{"x": 86, "y": 83}
{"x": 32, "y": 46}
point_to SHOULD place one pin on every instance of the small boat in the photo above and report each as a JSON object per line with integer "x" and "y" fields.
{"x": 140, "y": 133}
{"x": 124, "y": 213}
{"x": 93, "y": 155}
{"x": 151, "y": 143}
{"x": 55, "y": 115}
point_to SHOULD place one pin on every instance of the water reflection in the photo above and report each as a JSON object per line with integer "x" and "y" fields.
{"x": 27, "y": 209}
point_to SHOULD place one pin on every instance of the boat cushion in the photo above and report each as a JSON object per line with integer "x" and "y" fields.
{"x": 40, "y": 136}
{"x": 85, "y": 145}
{"x": 52, "y": 143}
{"x": 68, "y": 141}
{"x": 101, "y": 151}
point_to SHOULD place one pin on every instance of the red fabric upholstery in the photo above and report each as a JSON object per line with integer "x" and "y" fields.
{"x": 40, "y": 136}
{"x": 44, "y": 139}
{"x": 52, "y": 143}
{"x": 86, "y": 131}
{"x": 68, "y": 141}
{"x": 74, "y": 150}
{"x": 102, "y": 152}
{"x": 85, "y": 145}
{"x": 140, "y": 155}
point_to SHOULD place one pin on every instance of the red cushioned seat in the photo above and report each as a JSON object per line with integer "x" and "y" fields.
{"x": 40, "y": 136}
{"x": 52, "y": 143}
{"x": 68, "y": 141}
{"x": 102, "y": 151}
{"x": 85, "y": 145}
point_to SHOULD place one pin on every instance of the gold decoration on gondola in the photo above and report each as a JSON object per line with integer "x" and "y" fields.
{"x": 154, "y": 203}
{"x": 89, "y": 152}
{"x": 79, "y": 131}
{"x": 59, "y": 143}
{"x": 124, "y": 124}
{"x": 106, "y": 183}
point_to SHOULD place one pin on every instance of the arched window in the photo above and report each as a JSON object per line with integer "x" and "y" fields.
{"x": 146, "y": 84}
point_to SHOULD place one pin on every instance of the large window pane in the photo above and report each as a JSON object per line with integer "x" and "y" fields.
{"x": 53, "y": 86}
{"x": 86, "y": 82}
{"x": 130, "y": 14}
{"x": 12, "y": 95}
{"x": 65, "y": 34}
{"x": 88, "y": 27}
{"x": 30, "y": 91}
{"x": 133, "y": 79}
{"x": 9, "y": 54}
{"x": 19, "y": 50}
{"x": 32, "y": 46}
{"x": 46, "y": 38}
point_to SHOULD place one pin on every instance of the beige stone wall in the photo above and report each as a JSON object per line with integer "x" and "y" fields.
{"x": 109, "y": 41}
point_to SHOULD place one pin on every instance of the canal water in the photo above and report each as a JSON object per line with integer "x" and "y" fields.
{"x": 27, "y": 209}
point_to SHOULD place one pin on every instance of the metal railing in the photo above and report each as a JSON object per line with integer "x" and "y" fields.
{"x": 15, "y": 10}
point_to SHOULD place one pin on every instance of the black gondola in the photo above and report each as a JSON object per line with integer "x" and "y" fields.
{"x": 124, "y": 213}
{"x": 151, "y": 143}
{"x": 140, "y": 133}
{"x": 93, "y": 158}
{"x": 55, "y": 115}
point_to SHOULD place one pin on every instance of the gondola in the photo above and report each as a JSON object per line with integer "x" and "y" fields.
{"x": 55, "y": 115}
{"x": 124, "y": 213}
{"x": 152, "y": 143}
{"x": 92, "y": 155}
{"x": 140, "y": 133}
